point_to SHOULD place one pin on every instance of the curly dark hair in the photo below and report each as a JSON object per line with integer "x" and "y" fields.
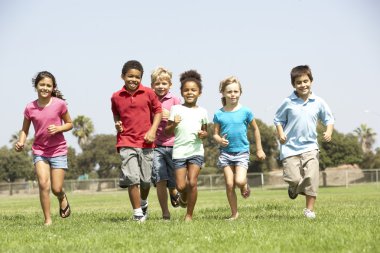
{"x": 191, "y": 75}
{"x": 46, "y": 74}
{"x": 132, "y": 64}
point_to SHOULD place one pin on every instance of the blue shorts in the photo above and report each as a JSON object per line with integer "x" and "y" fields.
{"x": 163, "y": 169}
{"x": 182, "y": 162}
{"x": 240, "y": 159}
{"x": 57, "y": 162}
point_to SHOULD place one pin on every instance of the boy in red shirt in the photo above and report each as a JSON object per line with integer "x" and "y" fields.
{"x": 132, "y": 108}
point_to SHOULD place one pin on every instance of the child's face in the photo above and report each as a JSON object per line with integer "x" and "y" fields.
{"x": 132, "y": 79}
{"x": 190, "y": 92}
{"x": 302, "y": 85}
{"x": 232, "y": 94}
{"x": 161, "y": 87}
{"x": 45, "y": 87}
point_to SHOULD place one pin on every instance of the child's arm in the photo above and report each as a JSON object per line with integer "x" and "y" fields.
{"x": 150, "y": 136}
{"x": 203, "y": 132}
{"x": 170, "y": 127}
{"x": 259, "y": 149}
{"x": 23, "y": 134}
{"x": 281, "y": 134}
{"x": 118, "y": 123}
{"x": 222, "y": 141}
{"x": 328, "y": 133}
{"x": 68, "y": 125}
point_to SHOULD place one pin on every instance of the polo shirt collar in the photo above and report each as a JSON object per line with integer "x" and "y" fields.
{"x": 294, "y": 96}
{"x": 167, "y": 96}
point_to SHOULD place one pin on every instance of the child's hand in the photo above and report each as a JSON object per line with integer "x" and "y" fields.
{"x": 165, "y": 114}
{"x": 224, "y": 142}
{"x": 260, "y": 154}
{"x": 119, "y": 126}
{"x": 177, "y": 119}
{"x": 53, "y": 129}
{"x": 19, "y": 146}
{"x": 150, "y": 136}
{"x": 202, "y": 134}
{"x": 282, "y": 138}
{"x": 327, "y": 136}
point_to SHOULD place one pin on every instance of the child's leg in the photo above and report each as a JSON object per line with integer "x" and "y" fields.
{"x": 162, "y": 195}
{"x": 241, "y": 178}
{"x": 57, "y": 178}
{"x": 193, "y": 172}
{"x": 310, "y": 201}
{"x": 180, "y": 178}
{"x": 134, "y": 196}
{"x": 229, "y": 178}
{"x": 43, "y": 177}
{"x": 292, "y": 174}
{"x": 310, "y": 170}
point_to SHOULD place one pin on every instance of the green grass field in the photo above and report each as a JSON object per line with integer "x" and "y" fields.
{"x": 348, "y": 220}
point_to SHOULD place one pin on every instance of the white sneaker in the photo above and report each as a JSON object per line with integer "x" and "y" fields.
{"x": 139, "y": 218}
{"x": 309, "y": 214}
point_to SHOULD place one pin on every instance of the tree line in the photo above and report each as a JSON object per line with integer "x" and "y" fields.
{"x": 98, "y": 157}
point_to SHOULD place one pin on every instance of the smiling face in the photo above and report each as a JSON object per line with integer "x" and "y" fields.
{"x": 302, "y": 86}
{"x": 132, "y": 79}
{"x": 190, "y": 92}
{"x": 232, "y": 94}
{"x": 161, "y": 87}
{"x": 45, "y": 87}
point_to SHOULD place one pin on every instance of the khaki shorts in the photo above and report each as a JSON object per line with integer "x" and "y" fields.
{"x": 302, "y": 171}
{"x": 136, "y": 165}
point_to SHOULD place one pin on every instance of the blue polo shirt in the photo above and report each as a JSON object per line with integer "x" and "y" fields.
{"x": 299, "y": 120}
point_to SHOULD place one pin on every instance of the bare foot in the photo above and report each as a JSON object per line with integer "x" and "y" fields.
{"x": 188, "y": 218}
{"x": 48, "y": 223}
{"x": 233, "y": 217}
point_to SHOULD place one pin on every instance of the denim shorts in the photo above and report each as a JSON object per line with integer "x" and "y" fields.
{"x": 182, "y": 162}
{"x": 57, "y": 162}
{"x": 240, "y": 159}
{"x": 163, "y": 168}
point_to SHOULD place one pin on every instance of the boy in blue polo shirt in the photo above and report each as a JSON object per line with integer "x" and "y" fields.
{"x": 296, "y": 123}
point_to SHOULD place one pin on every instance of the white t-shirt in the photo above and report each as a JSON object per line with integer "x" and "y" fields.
{"x": 187, "y": 142}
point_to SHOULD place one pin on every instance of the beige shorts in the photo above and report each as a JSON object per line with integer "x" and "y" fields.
{"x": 302, "y": 171}
{"x": 136, "y": 166}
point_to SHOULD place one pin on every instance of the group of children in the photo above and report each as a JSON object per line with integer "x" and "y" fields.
{"x": 159, "y": 139}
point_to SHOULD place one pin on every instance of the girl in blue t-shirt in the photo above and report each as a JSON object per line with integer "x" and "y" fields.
{"x": 230, "y": 132}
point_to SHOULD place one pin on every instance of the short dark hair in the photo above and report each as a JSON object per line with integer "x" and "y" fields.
{"x": 132, "y": 64}
{"x": 300, "y": 71}
{"x": 191, "y": 75}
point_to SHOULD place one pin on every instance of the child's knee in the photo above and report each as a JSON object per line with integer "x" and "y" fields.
{"x": 145, "y": 185}
{"x": 240, "y": 182}
{"x": 181, "y": 187}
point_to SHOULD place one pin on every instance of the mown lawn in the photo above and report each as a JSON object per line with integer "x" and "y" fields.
{"x": 348, "y": 220}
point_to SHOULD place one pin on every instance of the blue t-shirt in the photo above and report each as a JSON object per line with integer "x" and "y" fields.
{"x": 235, "y": 125}
{"x": 299, "y": 120}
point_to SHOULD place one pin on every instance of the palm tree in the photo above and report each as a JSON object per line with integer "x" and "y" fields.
{"x": 366, "y": 137}
{"x": 14, "y": 138}
{"x": 83, "y": 128}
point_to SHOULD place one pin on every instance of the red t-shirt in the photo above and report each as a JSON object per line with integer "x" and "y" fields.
{"x": 136, "y": 113}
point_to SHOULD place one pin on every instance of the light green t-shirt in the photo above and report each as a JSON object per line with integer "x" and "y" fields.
{"x": 186, "y": 142}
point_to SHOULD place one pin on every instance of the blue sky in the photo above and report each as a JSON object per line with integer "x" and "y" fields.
{"x": 85, "y": 43}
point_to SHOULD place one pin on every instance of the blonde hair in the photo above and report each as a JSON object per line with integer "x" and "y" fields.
{"x": 224, "y": 83}
{"x": 161, "y": 73}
